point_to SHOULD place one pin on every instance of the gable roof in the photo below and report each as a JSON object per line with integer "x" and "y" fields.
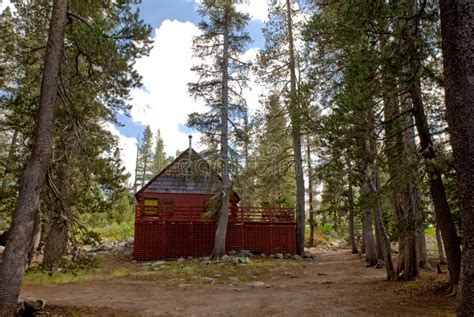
{"x": 181, "y": 177}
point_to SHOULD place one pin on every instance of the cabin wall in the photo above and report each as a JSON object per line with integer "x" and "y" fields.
{"x": 154, "y": 240}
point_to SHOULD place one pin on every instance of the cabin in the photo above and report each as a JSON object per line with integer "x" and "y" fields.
{"x": 176, "y": 215}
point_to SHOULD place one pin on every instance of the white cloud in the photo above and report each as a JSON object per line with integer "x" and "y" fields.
{"x": 128, "y": 150}
{"x": 257, "y": 9}
{"x": 164, "y": 102}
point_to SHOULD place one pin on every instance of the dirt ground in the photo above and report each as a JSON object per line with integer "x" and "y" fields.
{"x": 335, "y": 284}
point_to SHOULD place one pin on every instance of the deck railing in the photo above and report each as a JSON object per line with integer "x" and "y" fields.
{"x": 172, "y": 213}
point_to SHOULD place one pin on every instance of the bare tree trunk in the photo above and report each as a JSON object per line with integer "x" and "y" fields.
{"x": 221, "y": 232}
{"x": 383, "y": 241}
{"x": 350, "y": 199}
{"x": 367, "y": 233}
{"x": 457, "y": 29}
{"x": 311, "y": 219}
{"x": 56, "y": 242}
{"x": 438, "y": 194}
{"x": 12, "y": 269}
{"x": 296, "y": 138}
{"x": 439, "y": 242}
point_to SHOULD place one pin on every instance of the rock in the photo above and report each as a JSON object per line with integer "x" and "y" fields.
{"x": 380, "y": 264}
{"x": 180, "y": 260}
{"x": 190, "y": 257}
{"x": 205, "y": 262}
{"x": 291, "y": 275}
{"x": 128, "y": 252}
{"x": 244, "y": 260}
{"x": 288, "y": 256}
{"x": 225, "y": 258}
{"x": 297, "y": 257}
{"x": 134, "y": 261}
{"x": 232, "y": 252}
{"x": 234, "y": 279}
{"x": 208, "y": 279}
{"x": 278, "y": 256}
{"x": 2, "y": 249}
{"x": 129, "y": 241}
{"x": 157, "y": 265}
{"x": 256, "y": 284}
{"x": 245, "y": 253}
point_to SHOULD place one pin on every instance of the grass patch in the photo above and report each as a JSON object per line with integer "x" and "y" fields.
{"x": 170, "y": 273}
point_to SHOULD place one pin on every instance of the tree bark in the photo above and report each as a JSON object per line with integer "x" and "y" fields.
{"x": 221, "y": 232}
{"x": 12, "y": 269}
{"x": 350, "y": 199}
{"x": 56, "y": 242}
{"x": 296, "y": 137}
{"x": 442, "y": 210}
{"x": 367, "y": 233}
{"x": 311, "y": 220}
{"x": 383, "y": 241}
{"x": 457, "y": 29}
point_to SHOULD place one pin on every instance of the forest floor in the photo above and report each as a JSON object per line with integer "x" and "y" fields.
{"x": 336, "y": 283}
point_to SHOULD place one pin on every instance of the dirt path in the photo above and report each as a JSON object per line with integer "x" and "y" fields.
{"x": 337, "y": 284}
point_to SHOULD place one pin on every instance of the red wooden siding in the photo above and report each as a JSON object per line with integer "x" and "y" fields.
{"x": 154, "y": 240}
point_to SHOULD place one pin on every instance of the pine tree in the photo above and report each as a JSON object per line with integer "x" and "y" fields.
{"x": 221, "y": 77}
{"x": 34, "y": 176}
{"x": 278, "y": 67}
{"x": 160, "y": 161}
{"x": 145, "y": 159}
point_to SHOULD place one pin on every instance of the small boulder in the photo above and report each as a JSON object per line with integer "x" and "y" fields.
{"x": 245, "y": 253}
{"x": 256, "y": 284}
{"x": 180, "y": 260}
{"x": 207, "y": 279}
{"x": 278, "y": 256}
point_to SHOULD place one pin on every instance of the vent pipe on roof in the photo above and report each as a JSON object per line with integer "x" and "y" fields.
{"x": 190, "y": 141}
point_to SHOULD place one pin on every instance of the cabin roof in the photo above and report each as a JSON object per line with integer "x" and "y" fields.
{"x": 181, "y": 177}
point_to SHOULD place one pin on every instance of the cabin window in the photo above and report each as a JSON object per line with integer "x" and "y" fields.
{"x": 150, "y": 207}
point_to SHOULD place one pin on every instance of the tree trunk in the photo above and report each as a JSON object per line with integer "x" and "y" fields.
{"x": 221, "y": 232}
{"x": 439, "y": 242}
{"x": 442, "y": 211}
{"x": 12, "y": 268}
{"x": 311, "y": 219}
{"x": 296, "y": 138}
{"x": 384, "y": 243}
{"x": 350, "y": 199}
{"x": 56, "y": 242}
{"x": 457, "y": 29}
{"x": 367, "y": 233}
{"x": 400, "y": 175}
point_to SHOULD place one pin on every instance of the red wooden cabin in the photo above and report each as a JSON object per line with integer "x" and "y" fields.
{"x": 172, "y": 220}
